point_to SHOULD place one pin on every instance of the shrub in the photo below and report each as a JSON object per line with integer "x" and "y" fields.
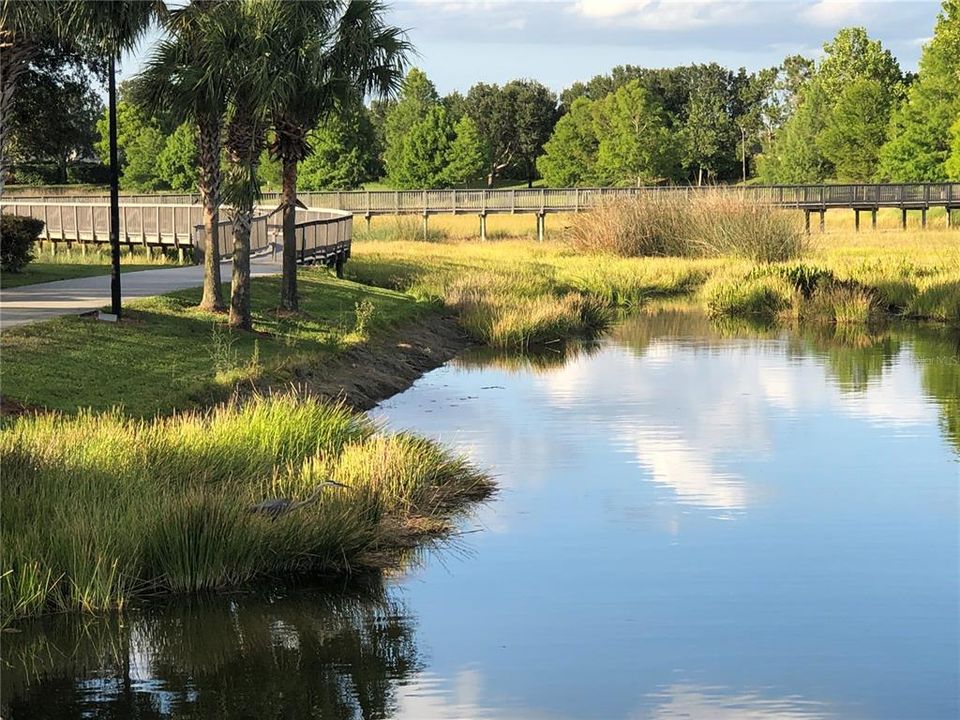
{"x": 17, "y": 235}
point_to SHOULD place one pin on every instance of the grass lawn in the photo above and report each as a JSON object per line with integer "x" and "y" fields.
{"x": 63, "y": 265}
{"x": 40, "y": 272}
{"x": 168, "y": 355}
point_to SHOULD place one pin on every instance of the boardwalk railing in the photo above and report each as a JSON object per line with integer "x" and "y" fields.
{"x": 323, "y": 234}
{"x": 916, "y": 196}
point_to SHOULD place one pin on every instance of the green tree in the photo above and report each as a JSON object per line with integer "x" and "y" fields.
{"x": 532, "y": 111}
{"x": 465, "y": 161}
{"x": 342, "y": 148}
{"x": 426, "y": 152}
{"x": 953, "y": 162}
{"x": 795, "y": 156}
{"x": 919, "y": 143}
{"x": 707, "y": 135}
{"x": 489, "y": 108}
{"x": 797, "y": 153}
{"x": 178, "y": 80}
{"x": 416, "y": 100}
{"x": 852, "y": 55}
{"x": 855, "y": 130}
{"x": 332, "y": 53}
{"x": 635, "y": 145}
{"x": 139, "y": 145}
{"x": 570, "y": 155}
{"x": 177, "y": 162}
{"x": 40, "y": 130}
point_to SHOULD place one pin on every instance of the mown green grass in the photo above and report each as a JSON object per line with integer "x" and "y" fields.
{"x": 168, "y": 355}
{"x": 100, "y": 508}
{"x": 63, "y": 265}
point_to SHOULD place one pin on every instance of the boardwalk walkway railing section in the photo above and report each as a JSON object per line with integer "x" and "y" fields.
{"x": 175, "y": 220}
{"x": 915, "y": 196}
{"x": 323, "y": 235}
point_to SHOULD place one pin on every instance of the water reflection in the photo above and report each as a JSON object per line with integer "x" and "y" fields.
{"x": 695, "y": 521}
{"x": 334, "y": 653}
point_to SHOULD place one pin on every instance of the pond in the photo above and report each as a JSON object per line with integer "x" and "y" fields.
{"x": 694, "y": 521}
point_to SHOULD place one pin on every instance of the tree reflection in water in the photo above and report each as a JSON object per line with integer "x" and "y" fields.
{"x": 332, "y": 653}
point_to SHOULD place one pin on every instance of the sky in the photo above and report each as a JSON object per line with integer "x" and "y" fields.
{"x": 461, "y": 42}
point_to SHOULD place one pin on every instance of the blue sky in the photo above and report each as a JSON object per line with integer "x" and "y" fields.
{"x": 558, "y": 42}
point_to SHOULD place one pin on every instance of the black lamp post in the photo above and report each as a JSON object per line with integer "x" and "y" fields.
{"x": 114, "y": 192}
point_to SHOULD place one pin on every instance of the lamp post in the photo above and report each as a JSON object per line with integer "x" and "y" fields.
{"x": 114, "y": 191}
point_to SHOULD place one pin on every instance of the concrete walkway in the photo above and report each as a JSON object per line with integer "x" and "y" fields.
{"x": 33, "y": 303}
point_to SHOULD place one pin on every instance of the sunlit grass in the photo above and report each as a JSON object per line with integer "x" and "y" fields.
{"x": 517, "y": 293}
{"x": 100, "y": 508}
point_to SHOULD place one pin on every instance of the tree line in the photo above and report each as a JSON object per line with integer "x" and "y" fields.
{"x": 853, "y": 115}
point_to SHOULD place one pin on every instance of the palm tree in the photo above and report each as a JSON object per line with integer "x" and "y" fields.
{"x": 336, "y": 51}
{"x": 244, "y": 37}
{"x": 175, "y": 78}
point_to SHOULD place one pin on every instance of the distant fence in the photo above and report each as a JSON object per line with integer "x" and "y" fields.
{"x": 322, "y": 234}
{"x": 914, "y": 196}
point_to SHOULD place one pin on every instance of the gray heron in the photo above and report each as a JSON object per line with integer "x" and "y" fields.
{"x": 275, "y": 507}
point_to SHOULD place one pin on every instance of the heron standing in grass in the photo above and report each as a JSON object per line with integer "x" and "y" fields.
{"x": 275, "y": 507}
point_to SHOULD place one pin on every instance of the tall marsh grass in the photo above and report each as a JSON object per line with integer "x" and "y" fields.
{"x": 99, "y": 508}
{"x": 704, "y": 224}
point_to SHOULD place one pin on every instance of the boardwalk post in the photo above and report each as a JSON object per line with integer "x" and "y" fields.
{"x": 856, "y": 220}
{"x": 903, "y": 218}
{"x": 806, "y": 221}
{"x": 949, "y": 217}
{"x": 823, "y": 218}
{"x": 541, "y": 225}
{"x": 425, "y": 216}
{"x": 483, "y": 226}
{"x": 923, "y": 218}
{"x": 873, "y": 218}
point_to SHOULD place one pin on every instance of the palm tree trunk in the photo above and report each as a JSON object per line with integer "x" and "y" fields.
{"x": 209, "y": 186}
{"x": 288, "y": 283}
{"x": 240, "y": 285}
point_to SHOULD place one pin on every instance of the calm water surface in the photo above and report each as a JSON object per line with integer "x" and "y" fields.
{"x": 694, "y": 522}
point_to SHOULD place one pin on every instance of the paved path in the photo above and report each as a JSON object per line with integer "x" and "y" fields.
{"x": 32, "y": 303}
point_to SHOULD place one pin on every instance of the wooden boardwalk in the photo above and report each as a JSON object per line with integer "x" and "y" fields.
{"x": 174, "y": 220}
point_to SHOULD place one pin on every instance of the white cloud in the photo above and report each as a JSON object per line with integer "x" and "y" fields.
{"x": 835, "y": 13}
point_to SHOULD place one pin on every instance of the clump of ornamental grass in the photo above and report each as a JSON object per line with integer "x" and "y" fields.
{"x": 710, "y": 223}
{"x": 99, "y": 508}
{"x": 758, "y": 296}
{"x": 522, "y": 310}
{"x": 842, "y": 303}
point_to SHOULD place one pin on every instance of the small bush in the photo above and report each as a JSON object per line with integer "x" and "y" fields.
{"x": 17, "y": 235}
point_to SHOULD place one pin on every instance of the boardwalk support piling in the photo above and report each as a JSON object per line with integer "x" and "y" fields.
{"x": 806, "y": 221}
{"x": 483, "y": 226}
{"x": 923, "y": 218}
{"x": 823, "y": 221}
{"x": 873, "y": 218}
{"x": 903, "y": 218}
{"x": 541, "y": 225}
{"x": 341, "y": 260}
{"x": 856, "y": 220}
{"x": 425, "y": 216}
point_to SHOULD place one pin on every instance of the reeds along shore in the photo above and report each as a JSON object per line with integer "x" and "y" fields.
{"x": 99, "y": 509}
{"x": 735, "y": 257}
